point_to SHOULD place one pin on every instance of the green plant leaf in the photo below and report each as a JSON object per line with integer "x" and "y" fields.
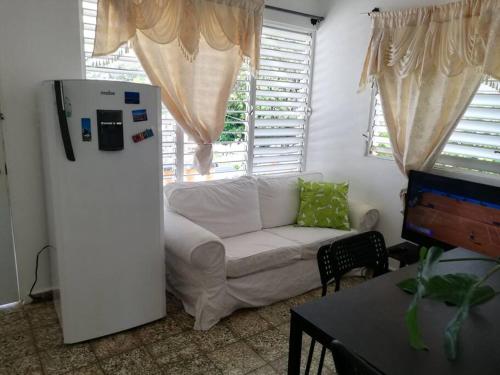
{"x": 471, "y": 296}
{"x": 428, "y": 259}
{"x": 453, "y": 288}
{"x": 411, "y": 319}
{"x": 453, "y": 328}
{"x": 408, "y": 285}
{"x": 482, "y": 294}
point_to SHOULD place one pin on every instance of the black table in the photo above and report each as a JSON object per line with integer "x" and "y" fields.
{"x": 369, "y": 320}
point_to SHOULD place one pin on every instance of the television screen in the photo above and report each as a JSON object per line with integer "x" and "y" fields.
{"x": 449, "y": 212}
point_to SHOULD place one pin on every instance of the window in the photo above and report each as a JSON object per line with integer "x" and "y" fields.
{"x": 266, "y": 119}
{"x": 473, "y": 146}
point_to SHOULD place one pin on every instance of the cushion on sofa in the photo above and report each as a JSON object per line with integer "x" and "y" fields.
{"x": 279, "y": 198}
{"x": 323, "y": 205}
{"x": 169, "y": 188}
{"x": 309, "y": 238}
{"x": 226, "y": 209}
{"x": 258, "y": 251}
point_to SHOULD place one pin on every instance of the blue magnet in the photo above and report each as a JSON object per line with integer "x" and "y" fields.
{"x": 86, "y": 130}
{"x": 132, "y": 97}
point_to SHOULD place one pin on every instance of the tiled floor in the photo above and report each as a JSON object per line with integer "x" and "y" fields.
{"x": 251, "y": 341}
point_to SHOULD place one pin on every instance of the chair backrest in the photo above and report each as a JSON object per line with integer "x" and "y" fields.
{"x": 361, "y": 250}
{"x": 348, "y": 363}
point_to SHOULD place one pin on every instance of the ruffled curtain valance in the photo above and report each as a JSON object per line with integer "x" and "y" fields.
{"x": 222, "y": 23}
{"x": 449, "y": 37}
{"x": 428, "y": 63}
{"x": 192, "y": 50}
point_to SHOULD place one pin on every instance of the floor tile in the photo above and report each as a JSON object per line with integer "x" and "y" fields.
{"x": 276, "y": 314}
{"x": 67, "y": 358}
{"x": 250, "y": 341}
{"x": 216, "y": 337}
{"x": 28, "y": 365}
{"x": 48, "y": 337}
{"x": 12, "y": 321}
{"x": 43, "y": 316}
{"x": 163, "y": 328}
{"x": 37, "y": 305}
{"x": 280, "y": 365}
{"x": 16, "y": 345}
{"x": 348, "y": 282}
{"x": 266, "y": 370}
{"x": 237, "y": 358}
{"x": 304, "y": 298}
{"x": 284, "y": 329}
{"x": 270, "y": 345}
{"x": 134, "y": 362}
{"x": 181, "y": 347}
{"x": 88, "y": 370}
{"x": 199, "y": 365}
{"x": 246, "y": 322}
{"x": 115, "y": 344}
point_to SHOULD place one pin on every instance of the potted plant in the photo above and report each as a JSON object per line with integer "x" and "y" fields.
{"x": 462, "y": 290}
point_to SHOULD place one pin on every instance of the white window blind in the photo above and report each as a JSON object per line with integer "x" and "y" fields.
{"x": 266, "y": 118}
{"x": 282, "y": 101}
{"x": 475, "y": 143}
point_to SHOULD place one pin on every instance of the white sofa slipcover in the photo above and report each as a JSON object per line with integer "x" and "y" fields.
{"x": 248, "y": 262}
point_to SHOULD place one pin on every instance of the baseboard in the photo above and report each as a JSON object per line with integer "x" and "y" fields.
{"x": 43, "y": 295}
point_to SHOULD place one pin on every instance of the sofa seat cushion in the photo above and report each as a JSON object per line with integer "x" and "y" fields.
{"x": 227, "y": 208}
{"x": 258, "y": 251}
{"x": 310, "y": 239}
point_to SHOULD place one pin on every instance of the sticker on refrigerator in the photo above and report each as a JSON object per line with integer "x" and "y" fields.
{"x": 132, "y": 97}
{"x": 86, "y": 130}
{"x": 148, "y": 133}
{"x": 139, "y": 115}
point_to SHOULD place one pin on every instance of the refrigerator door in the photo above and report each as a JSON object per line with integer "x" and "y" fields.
{"x": 105, "y": 209}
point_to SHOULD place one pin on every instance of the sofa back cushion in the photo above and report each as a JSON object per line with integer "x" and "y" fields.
{"x": 227, "y": 208}
{"x": 280, "y": 198}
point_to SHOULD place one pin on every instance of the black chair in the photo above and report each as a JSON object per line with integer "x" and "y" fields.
{"x": 348, "y": 363}
{"x": 335, "y": 260}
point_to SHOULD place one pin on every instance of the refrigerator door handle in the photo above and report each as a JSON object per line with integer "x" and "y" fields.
{"x": 63, "y": 121}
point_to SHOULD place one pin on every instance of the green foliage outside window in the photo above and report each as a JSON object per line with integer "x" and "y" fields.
{"x": 234, "y": 125}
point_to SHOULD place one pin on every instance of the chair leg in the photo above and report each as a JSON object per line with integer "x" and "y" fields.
{"x": 310, "y": 356}
{"x": 337, "y": 284}
{"x": 321, "y": 360}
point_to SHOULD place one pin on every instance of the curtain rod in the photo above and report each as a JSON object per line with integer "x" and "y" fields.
{"x": 311, "y": 16}
{"x": 374, "y": 10}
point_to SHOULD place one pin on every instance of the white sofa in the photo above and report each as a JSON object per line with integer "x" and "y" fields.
{"x": 232, "y": 244}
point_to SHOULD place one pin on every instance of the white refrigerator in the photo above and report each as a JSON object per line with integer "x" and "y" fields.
{"x": 101, "y": 147}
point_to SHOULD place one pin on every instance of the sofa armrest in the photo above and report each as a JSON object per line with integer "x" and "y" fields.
{"x": 191, "y": 243}
{"x": 362, "y": 216}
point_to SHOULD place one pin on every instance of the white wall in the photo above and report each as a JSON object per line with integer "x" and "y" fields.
{"x": 313, "y": 7}
{"x": 340, "y": 115}
{"x": 39, "y": 40}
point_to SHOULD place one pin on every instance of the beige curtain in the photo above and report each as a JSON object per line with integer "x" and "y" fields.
{"x": 428, "y": 63}
{"x": 192, "y": 50}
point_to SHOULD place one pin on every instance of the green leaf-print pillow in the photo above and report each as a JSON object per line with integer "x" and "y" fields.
{"x": 323, "y": 205}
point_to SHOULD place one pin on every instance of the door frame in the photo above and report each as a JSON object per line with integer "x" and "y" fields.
{"x": 4, "y": 171}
